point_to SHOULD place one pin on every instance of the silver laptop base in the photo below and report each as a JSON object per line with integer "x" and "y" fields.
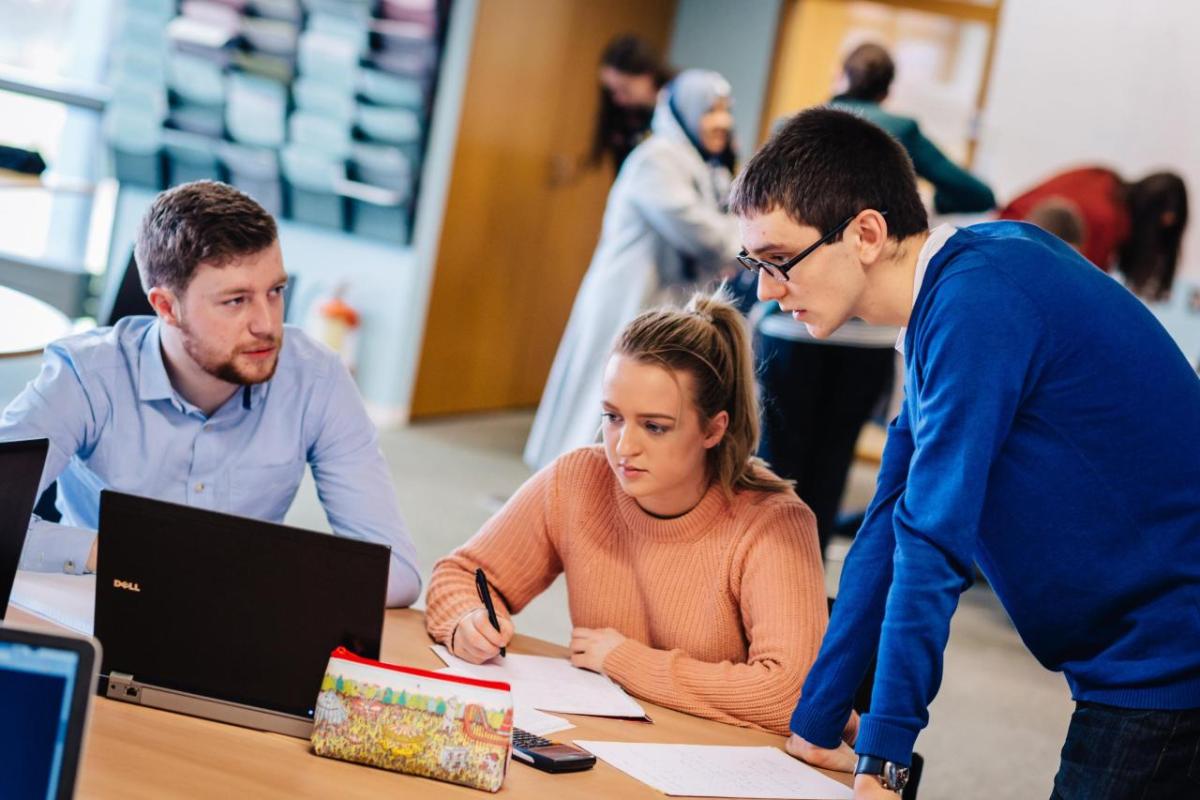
{"x": 124, "y": 688}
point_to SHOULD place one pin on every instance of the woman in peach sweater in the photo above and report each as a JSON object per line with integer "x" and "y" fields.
{"x": 693, "y": 574}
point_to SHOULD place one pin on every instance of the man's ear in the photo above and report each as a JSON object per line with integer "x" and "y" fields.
{"x": 716, "y": 430}
{"x": 872, "y": 233}
{"x": 165, "y": 304}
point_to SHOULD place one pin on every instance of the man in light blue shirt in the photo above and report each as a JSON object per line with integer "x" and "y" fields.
{"x": 213, "y": 402}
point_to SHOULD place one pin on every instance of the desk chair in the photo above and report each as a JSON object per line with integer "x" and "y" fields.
{"x": 862, "y": 704}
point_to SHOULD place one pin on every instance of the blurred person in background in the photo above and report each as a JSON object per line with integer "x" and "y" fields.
{"x": 666, "y": 231}
{"x": 1135, "y": 228}
{"x": 869, "y": 71}
{"x": 1061, "y": 217}
{"x": 631, "y": 75}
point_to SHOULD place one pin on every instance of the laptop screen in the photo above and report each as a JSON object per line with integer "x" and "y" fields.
{"x": 21, "y": 465}
{"x": 38, "y": 686}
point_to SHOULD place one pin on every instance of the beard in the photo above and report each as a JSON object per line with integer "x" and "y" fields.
{"x": 226, "y": 366}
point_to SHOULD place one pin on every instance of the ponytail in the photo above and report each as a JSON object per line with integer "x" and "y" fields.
{"x": 708, "y": 339}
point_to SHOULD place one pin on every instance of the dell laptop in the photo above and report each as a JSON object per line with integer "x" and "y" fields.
{"x": 46, "y": 682}
{"x": 21, "y": 465}
{"x": 228, "y": 618}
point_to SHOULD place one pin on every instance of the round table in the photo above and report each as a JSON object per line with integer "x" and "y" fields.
{"x": 27, "y": 324}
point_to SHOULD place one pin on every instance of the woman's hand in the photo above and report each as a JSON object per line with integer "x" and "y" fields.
{"x": 475, "y": 639}
{"x": 590, "y": 646}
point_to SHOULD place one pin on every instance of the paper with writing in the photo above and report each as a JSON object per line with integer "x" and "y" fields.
{"x": 550, "y": 684}
{"x": 695, "y": 770}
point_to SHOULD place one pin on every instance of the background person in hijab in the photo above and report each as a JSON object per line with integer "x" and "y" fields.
{"x": 665, "y": 232}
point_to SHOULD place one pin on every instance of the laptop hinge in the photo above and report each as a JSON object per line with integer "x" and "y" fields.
{"x": 122, "y": 687}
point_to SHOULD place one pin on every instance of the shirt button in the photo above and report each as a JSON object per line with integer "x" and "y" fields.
{"x": 199, "y": 487}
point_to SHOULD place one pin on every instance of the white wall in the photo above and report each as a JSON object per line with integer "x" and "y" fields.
{"x": 1096, "y": 81}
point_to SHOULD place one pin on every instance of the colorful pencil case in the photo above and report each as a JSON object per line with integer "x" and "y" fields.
{"x": 410, "y": 720}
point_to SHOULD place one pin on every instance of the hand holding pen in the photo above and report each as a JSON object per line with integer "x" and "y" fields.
{"x": 482, "y": 634}
{"x": 485, "y": 594}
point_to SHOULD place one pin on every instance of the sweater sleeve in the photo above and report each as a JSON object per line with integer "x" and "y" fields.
{"x": 668, "y": 199}
{"x": 516, "y": 550}
{"x": 956, "y": 191}
{"x": 828, "y": 695}
{"x": 776, "y": 575}
{"x": 978, "y": 355}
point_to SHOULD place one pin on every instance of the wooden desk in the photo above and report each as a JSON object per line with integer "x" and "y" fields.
{"x": 133, "y": 752}
{"x": 28, "y": 324}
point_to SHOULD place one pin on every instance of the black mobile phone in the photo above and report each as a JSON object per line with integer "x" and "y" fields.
{"x": 549, "y": 756}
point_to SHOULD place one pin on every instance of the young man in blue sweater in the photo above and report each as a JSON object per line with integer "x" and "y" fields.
{"x": 1050, "y": 433}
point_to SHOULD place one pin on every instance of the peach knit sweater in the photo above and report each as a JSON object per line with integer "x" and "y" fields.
{"x": 724, "y": 607}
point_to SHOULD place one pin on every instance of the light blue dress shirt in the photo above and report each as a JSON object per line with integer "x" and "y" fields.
{"x": 114, "y": 421}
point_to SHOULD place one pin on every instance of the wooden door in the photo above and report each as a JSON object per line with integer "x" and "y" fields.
{"x": 518, "y": 235}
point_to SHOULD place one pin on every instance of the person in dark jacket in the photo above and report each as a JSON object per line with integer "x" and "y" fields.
{"x": 869, "y": 71}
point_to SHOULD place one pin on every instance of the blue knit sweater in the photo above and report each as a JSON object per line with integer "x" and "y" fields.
{"x": 1050, "y": 433}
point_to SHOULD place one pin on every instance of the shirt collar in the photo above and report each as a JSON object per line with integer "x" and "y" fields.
{"x": 937, "y": 239}
{"x": 153, "y": 381}
{"x": 155, "y": 384}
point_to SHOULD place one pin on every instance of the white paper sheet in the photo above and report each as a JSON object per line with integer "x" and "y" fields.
{"x": 69, "y": 600}
{"x": 529, "y": 719}
{"x": 550, "y": 684}
{"x": 539, "y": 723}
{"x": 696, "y": 770}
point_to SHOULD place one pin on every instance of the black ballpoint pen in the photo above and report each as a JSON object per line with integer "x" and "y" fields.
{"x": 486, "y": 596}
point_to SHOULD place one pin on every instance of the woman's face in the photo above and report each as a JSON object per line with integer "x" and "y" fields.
{"x": 654, "y": 439}
{"x": 716, "y": 127}
{"x": 627, "y": 90}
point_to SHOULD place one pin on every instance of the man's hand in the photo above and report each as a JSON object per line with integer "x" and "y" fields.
{"x": 475, "y": 639}
{"x": 840, "y": 759}
{"x": 590, "y": 646}
{"x": 90, "y": 564}
{"x": 867, "y": 787}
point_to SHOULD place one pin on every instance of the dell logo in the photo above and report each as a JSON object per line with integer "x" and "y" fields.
{"x": 128, "y": 586}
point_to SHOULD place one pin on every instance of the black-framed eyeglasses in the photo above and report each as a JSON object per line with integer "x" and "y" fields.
{"x": 780, "y": 271}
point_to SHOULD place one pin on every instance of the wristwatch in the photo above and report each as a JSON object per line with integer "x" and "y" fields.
{"x": 891, "y": 775}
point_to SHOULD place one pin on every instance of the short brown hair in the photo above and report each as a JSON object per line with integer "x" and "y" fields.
{"x": 203, "y": 222}
{"x": 708, "y": 340}
{"x": 825, "y": 165}
{"x": 869, "y": 72}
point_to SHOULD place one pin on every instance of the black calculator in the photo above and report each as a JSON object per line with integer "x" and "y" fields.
{"x": 549, "y": 756}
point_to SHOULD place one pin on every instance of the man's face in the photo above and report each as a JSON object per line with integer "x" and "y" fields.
{"x": 824, "y": 289}
{"x": 231, "y": 317}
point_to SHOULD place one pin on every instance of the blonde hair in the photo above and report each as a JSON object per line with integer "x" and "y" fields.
{"x": 708, "y": 340}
